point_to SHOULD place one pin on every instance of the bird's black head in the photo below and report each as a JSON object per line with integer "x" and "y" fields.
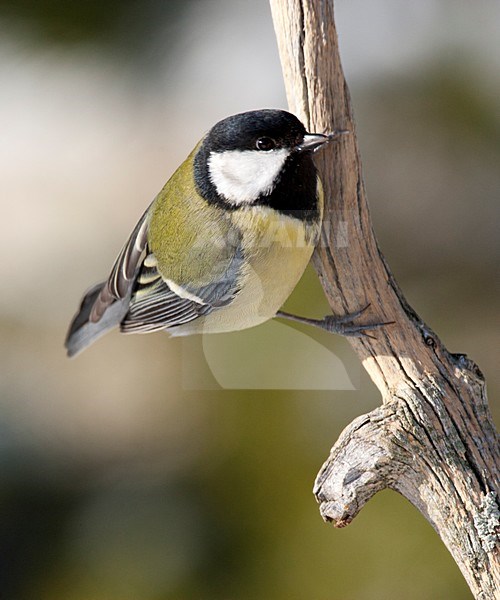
{"x": 262, "y": 157}
{"x": 261, "y": 130}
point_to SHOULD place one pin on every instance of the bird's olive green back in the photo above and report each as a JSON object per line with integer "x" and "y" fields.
{"x": 193, "y": 241}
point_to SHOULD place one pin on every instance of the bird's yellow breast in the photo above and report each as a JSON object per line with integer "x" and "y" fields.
{"x": 277, "y": 250}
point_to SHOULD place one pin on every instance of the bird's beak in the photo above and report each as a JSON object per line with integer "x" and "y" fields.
{"x": 314, "y": 141}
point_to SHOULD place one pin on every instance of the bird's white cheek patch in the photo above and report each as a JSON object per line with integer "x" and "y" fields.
{"x": 242, "y": 176}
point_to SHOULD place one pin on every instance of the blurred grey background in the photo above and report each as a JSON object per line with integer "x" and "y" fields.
{"x": 130, "y": 473}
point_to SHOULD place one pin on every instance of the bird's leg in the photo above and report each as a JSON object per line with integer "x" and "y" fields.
{"x": 343, "y": 325}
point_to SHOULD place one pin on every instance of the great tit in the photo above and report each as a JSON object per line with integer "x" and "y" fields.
{"x": 224, "y": 243}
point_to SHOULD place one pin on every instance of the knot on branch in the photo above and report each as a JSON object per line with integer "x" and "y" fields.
{"x": 358, "y": 467}
{"x": 463, "y": 362}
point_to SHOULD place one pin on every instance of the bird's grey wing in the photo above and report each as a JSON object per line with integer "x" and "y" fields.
{"x": 159, "y": 303}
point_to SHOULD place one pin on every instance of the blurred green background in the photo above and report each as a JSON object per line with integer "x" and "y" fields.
{"x": 130, "y": 472}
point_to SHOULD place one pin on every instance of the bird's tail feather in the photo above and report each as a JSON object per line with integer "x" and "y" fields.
{"x": 83, "y": 332}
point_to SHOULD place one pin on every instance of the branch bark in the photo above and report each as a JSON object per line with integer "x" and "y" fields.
{"x": 433, "y": 439}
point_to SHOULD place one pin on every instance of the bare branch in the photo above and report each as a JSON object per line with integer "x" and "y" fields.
{"x": 433, "y": 439}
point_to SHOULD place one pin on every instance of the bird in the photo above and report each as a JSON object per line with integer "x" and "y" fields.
{"x": 224, "y": 243}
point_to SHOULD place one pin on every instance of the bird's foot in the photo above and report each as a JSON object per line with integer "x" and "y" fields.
{"x": 342, "y": 325}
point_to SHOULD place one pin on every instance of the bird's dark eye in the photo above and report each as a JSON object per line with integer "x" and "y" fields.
{"x": 265, "y": 143}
